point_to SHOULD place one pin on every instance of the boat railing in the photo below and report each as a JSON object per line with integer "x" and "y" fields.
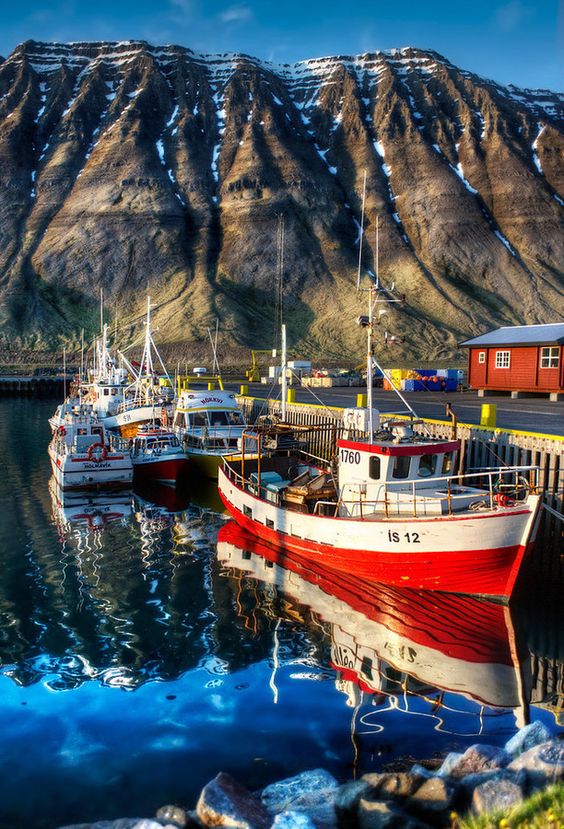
{"x": 488, "y": 488}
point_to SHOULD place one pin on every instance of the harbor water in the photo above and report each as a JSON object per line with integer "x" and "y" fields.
{"x": 146, "y": 644}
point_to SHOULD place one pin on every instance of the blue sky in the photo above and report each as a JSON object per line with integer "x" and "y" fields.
{"x": 511, "y": 41}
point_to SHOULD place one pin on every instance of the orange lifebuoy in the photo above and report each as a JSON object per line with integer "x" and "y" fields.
{"x": 62, "y": 431}
{"x": 101, "y": 457}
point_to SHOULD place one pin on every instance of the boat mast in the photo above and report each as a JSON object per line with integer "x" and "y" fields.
{"x": 284, "y": 372}
{"x": 361, "y": 232}
{"x": 369, "y": 365}
{"x": 146, "y": 359}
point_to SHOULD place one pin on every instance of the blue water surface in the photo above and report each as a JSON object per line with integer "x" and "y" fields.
{"x": 139, "y": 657}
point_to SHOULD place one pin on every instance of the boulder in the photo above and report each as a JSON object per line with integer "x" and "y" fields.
{"x": 450, "y": 761}
{"x": 526, "y": 738}
{"x": 472, "y": 781}
{"x": 347, "y": 798}
{"x": 381, "y": 814}
{"x": 392, "y": 786}
{"x": 479, "y": 757}
{"x": 496, "y": 794}
{"x": 543, "y": 763}
{"x": 174, "y": 815}
{"x": 292, "y": 820}
{"x": 433, "y": 800}
{"x": 312, "y": 793}
{"x": 224, "y": 801}
{"x": 122, "y": 823}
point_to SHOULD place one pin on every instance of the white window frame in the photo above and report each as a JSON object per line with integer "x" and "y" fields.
{"x": 481, "y": 357}
{"x": 550, "y": 356}
{"x": 502, "y": 359}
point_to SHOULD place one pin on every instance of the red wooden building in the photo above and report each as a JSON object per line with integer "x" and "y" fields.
{"x": 519, "y": 359}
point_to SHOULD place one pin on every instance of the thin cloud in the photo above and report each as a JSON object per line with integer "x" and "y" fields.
{"x": 511, "y": 15}
{"x": 236, "y": 14}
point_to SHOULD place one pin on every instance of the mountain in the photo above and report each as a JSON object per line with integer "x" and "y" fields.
{"x": 129, "y": 167}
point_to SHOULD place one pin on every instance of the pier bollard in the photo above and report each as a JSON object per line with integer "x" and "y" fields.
{"x": 291, "y": 396}
{"x": 361, "y": 401}
{"x": 211, "y": 386}
{"x": 243, "y": 390}
{"x": 488, "y": 415}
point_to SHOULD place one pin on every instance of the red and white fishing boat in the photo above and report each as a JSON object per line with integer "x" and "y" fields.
{"x": 390, "y": 507}
{"x": 81, "y": 456}
{"x": 158, "y": 456}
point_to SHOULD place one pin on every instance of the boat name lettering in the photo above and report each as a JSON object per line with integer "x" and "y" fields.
{"x": 411, "y": 538}
{"x": 348, "y": 456}
{"x": 211, "y": 400}
{"x": 97, "y": 465}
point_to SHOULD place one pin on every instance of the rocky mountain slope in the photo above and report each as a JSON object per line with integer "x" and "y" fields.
{"x": 132, "y": 167}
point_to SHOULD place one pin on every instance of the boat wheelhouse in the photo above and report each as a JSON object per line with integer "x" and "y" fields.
{"x": 158, "y": 456}
{"x": 391, "y": 508}
{"x": 210, "y": 426}
{"x": 81, "y": 456}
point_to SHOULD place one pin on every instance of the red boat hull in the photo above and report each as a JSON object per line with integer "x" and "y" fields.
{"x": 482, "y": 572}
{"x": 163, "y": 471}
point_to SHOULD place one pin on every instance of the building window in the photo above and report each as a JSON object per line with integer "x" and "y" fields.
{"x": 481, "y": 357}
{"x": 502, "y": 359}
{"x": 550, "y": 357}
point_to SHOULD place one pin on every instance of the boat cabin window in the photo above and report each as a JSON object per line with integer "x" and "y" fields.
{"x": 114, "y": 392}
{"x": 96, "y": 430}
{"x": 198, "y": 419}
{"x": 374, "y": 467}
{"x": 179, "y": 419}
{"x": 218, "y": 418}
{"x": 106, "y": 392}
{"x": 427, "y": 466}
{"x": 402, "y": 464}
{"x": 448, "y": 463}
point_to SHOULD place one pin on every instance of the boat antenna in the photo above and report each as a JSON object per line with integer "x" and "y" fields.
{"x": 81, "y": 356}
{"x": 101, "y": 309}
{"x": 284, "y": 373}
{"x": 377, "y": 263}
{"x": 64, "y": 373}
{"x": 279, "y": 309}
{"x": 361, "y": 234}
{"x": 213, "y": 342}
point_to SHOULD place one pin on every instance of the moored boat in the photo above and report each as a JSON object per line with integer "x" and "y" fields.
{"x": 81, "y": 456}
{"x": 158, "y": 456}
{"x": 390, "y": 505}
{"x": 210, "y": 426}
{"x": 395, "y": 511}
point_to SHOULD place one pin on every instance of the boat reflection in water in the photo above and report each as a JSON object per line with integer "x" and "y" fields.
{"x": 449, "y": 658}
{"x": 85, "y": 512}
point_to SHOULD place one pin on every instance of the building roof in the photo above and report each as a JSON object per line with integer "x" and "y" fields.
{"x": 549, "y": 334}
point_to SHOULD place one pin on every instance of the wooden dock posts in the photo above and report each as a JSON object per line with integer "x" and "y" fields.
{"x": 481, "y": 446}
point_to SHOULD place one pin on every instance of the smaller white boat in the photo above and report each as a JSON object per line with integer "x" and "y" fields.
{"x": 158, "y": 456}
{"x": 81, "y": 457}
